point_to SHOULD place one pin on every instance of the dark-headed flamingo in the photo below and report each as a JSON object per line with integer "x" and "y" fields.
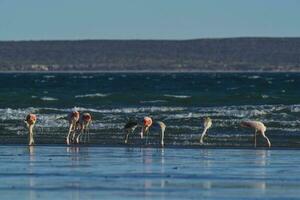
{"x": 128, "y": 129}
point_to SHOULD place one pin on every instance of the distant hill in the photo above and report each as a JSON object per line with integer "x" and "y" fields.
{"x": 232, "y": 54}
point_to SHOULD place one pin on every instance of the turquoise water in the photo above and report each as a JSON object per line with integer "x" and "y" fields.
{"x": 60, "y": 172}
{"x": 180, "y": 100}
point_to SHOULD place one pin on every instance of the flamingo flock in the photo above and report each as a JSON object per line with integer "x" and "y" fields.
{"x": 79, "y": 128}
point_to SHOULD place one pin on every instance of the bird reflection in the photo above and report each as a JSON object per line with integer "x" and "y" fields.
{"x": 32, "y": 184}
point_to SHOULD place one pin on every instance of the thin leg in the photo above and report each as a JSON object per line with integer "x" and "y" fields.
{"x": 255, "y": 138}
{"x": 147, "y": 134}
{"x": 31, "y": 140}
{"x": 78, "y": 137}
{"x": 74, "y": 135}
{"x": 88, "y": 134}
{"x": 69, "y": 133}
{"x": 202, "y": 135}
{"x": 84, "y": 133}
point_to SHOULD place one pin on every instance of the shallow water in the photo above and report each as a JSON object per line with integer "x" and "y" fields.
{"x": 59, "y": 172}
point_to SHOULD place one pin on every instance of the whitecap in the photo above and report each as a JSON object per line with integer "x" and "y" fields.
{"x": 233, "y": 88}
{"x": 177, "y": 96}
{"x": 86, "y": 77}
{"x": 92, "y": 95}
{"x": 49, "y": 99}
{"x": 132, "y": 110}
{"x": 295, "y": 108}
{"x": 253, "y": 77}
{"x": 49, "y": 76}
{"x": 154, "y": 101}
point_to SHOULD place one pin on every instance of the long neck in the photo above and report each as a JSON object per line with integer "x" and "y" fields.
{"x": 203, "y": 134}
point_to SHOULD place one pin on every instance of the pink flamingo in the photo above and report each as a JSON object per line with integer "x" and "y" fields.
{"x": 73, "y": 118}
{"x": 258, "y": 127}
{"x": 84, "y": 123}
{"x": 207, "y": 124}
{"x": 147, "y": 123}
{"x": 30, "y": 122}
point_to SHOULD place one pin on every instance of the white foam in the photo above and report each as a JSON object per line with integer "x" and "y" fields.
{"x": 264, "y": 96}
{"x": 253, "y": 77}
{"x": 154, "y": 101}
{"x": 92, "y": 95}
{"x": 49, "y": 76}
{"x": 49, "y": 99}
{"x": 177, "y": 96}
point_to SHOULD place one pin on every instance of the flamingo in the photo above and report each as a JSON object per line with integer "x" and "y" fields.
{"x": 30, "y": 122}
{"x": 129, "y": 128}
{"x": 73, "y": 118}
{"x": 147, "y": 123}
{"x": 162, "y": 133}
{"x": 258, "y": 127}
{"x": 207, "y": 124}
{"x": 84, "y": 123}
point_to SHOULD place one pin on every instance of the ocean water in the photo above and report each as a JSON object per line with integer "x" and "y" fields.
{"x": 60, "y": 172}
{"x": 181, "y": 100}
{"x": 225, "y": 167}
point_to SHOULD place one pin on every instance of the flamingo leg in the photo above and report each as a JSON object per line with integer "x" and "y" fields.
{"x": 31, "y": 140}
{"x": 79, "y": 136}
{"x": 147, "y": 132}
{"x": 74, "y": 133}
{"x": 255, "y": 138}
{"x": 85, "y": 136}
{"x": 69, "y": 133}
{"x": 88, "y": 133}
{"x": 202, "y": 135}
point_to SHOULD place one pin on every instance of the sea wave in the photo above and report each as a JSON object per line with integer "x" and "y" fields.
{"x": 154, "y": 101}
{"x": 177, "y": 96}
{"x": 49, "y": 99}
{"x": 92, "y": 95}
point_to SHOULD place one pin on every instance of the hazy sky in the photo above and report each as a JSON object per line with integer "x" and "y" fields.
{"x": 147, "y": 19}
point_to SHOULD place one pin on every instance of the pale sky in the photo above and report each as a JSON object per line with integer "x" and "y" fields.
{"x": 147, "y": 19}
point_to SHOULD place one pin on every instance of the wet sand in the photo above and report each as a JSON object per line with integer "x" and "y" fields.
{"x": 60, "y": 172}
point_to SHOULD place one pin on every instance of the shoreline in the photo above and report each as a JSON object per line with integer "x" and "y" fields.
{"x": 134, "y": 146}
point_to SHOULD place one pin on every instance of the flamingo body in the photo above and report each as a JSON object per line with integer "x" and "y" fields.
{"x": 84, "y": 123}
{"x": 258, "y": 127}
{"x": 73, "y": 118}
{"x": 30, "y": 121}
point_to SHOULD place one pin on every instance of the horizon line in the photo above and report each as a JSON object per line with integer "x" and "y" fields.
{"x": 188, "y": 39}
